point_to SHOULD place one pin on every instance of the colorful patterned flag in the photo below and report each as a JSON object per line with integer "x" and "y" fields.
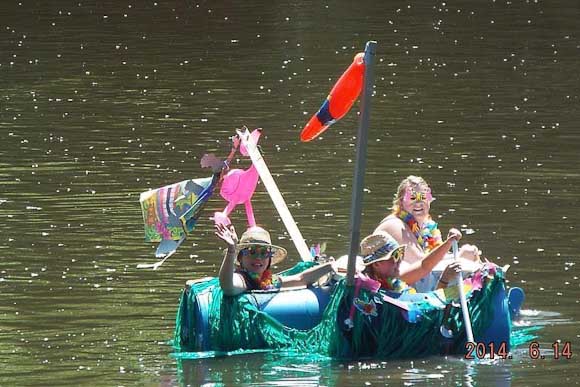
{"x": 170, "y": 213}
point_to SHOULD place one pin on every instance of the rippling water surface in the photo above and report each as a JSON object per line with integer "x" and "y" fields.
{"x": 99, "y": 102}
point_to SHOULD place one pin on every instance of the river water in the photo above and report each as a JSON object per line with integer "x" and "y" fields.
{"x": 100, "y": 101}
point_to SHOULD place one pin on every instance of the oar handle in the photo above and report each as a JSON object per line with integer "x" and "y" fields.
{"x": 455, "y": 249}
{"x": 462, "y": 299}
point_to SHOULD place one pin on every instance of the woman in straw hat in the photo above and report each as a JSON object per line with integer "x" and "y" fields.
{"x": 247, "y": 262}
{"x": 411, "y": 224}
{"x": 382, "y": 256}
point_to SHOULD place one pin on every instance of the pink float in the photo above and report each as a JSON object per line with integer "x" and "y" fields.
{"x": 238, "y": 187}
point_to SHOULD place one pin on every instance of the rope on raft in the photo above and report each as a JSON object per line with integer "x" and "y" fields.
{"x": 236, "y": 323}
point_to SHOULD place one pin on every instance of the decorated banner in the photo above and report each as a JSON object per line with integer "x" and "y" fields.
{"x": 171, "y": 212}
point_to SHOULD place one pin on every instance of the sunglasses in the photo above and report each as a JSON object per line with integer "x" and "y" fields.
{"x": 398, "y": 254}
{"x": 261, "y": 252}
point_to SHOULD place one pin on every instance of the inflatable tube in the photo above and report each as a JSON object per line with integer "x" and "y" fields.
{"x": 297, "y": 308}
{"x": 499, "y": 331}
{"x": 339, "y": 101}
{"x": 516, "y": 297}
{"x": 303, "y": 309}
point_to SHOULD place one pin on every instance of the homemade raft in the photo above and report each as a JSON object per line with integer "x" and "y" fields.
{"x": 315, "y": 319}
{"x": 347, "y": 317}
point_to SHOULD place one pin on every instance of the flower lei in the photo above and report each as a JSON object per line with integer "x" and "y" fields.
{"x": 266, "y": 281}
{"x": 428, "y": 236}
{"x": 396, "y": 285}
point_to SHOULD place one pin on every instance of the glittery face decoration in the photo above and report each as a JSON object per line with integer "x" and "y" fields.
{"x": 412, "y": 196}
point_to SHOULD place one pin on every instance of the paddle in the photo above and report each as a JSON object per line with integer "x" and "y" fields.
{"x": 466, "y": 318}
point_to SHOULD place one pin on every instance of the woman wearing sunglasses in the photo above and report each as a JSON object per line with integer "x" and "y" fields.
{"x": 247, "y": 262}
{"x": 382, "y": 257}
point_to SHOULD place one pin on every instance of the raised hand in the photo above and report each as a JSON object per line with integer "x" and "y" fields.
{"x": 227, "y": 234}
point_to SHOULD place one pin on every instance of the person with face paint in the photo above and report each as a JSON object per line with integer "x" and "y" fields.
{"x": 247, "y": 262}
{"x": 382, "y": 257}
{"x": 411, "y": 224}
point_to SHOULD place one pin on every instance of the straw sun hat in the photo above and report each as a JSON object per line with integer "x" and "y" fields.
{"x": 257, "y": 236}
{"x": 379, "y": 246}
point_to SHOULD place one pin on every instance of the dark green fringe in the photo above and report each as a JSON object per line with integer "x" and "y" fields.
{"x": 236, "y": 323}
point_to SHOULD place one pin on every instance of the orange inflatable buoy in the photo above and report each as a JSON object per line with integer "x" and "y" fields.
{"x": 341, "y": 98}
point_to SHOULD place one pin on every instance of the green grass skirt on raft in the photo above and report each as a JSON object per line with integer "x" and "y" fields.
{"x": 235, "y": 323}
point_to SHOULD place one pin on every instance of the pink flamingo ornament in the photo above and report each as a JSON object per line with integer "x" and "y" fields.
{"x": 238, "y": 187}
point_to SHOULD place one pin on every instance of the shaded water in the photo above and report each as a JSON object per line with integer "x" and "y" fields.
{"x": 100, "y": 102}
